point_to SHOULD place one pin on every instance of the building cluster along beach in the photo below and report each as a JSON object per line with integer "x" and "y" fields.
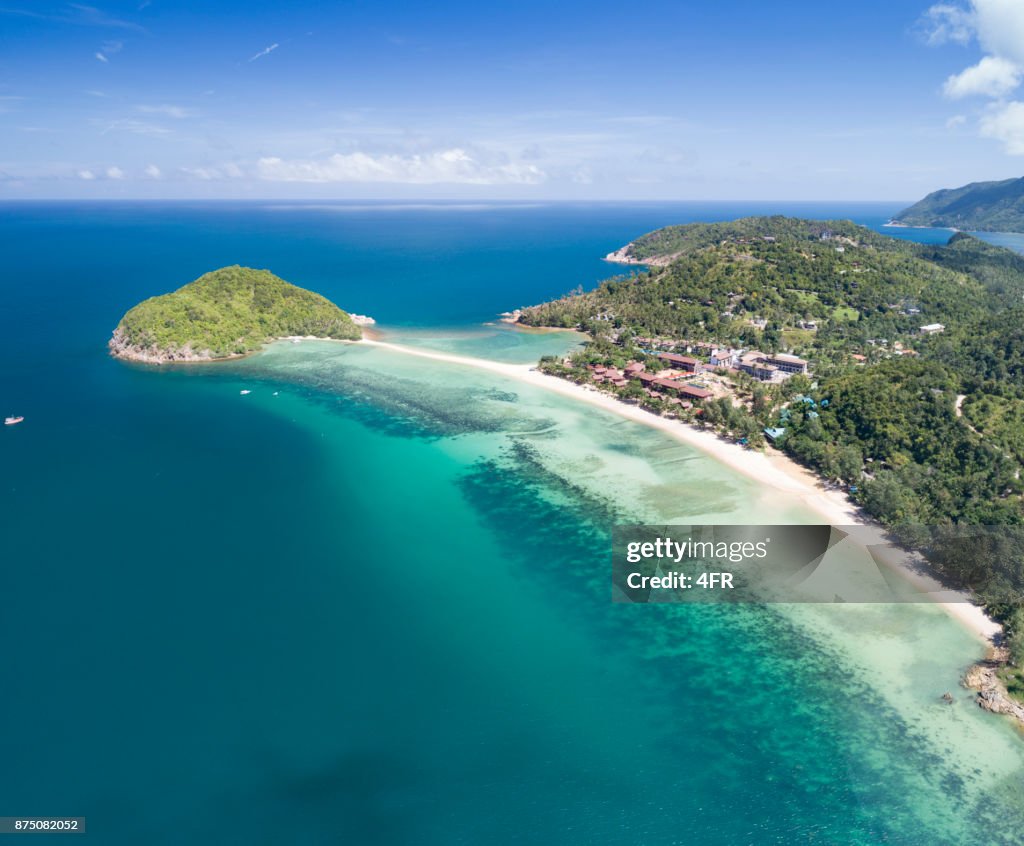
{"x": 771, "y": 469}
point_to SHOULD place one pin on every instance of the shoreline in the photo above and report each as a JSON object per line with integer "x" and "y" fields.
{"x": 129, "y": 353}
{"x": 772, "y": 469}
{"x": 621, "y": 256}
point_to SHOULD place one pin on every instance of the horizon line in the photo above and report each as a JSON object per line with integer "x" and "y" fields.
{"x": 423, "y": 200}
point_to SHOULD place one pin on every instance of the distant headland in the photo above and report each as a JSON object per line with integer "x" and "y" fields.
{"x": 227, "y": 313}
{"x": 978, "y": 207}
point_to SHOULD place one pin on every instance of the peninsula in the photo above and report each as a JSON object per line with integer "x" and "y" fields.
{"x": 980, "y": 206}
{"x": 893, "y": 370}
{"x": 226, "y": 313}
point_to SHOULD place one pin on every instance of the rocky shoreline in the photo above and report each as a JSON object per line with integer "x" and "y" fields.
{"x": 622, "y": 256}
{"x": 992, "y": 693}
{"x": 121, "y": 347}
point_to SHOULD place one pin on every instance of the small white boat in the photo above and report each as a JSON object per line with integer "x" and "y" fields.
{"x": 243, "y": 393}
{"x": 275, "y": 393}
{"x": 10, "y": 421}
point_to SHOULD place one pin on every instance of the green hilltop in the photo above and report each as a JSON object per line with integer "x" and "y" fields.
{"x": 980, "y": 206}
{"x": 226, "y": 313}
{"x": 753, "y": 282}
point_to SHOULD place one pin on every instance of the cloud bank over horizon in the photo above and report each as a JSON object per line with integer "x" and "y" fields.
{"x": 453, "y": 166}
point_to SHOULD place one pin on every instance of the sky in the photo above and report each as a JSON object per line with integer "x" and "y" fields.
{"x": 724, "y": 100}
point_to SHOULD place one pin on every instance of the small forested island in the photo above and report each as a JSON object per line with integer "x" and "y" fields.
{"x": 226, "y": 313}
{"x": 980, "y": 206}
{"x": 893, "y": 369}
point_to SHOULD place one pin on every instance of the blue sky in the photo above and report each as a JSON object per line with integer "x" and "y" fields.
{"x": 674, "y": 100}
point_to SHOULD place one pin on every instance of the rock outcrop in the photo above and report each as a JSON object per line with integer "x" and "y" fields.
{"x": 992, "y": 694}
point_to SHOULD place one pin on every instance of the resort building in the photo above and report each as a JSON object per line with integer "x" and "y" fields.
{"x": 932, "y": 329}
{"x": 694, "y": 393}
{"x": 787, "y": 363}
{"x": 724, "y": 358}
{"x": 681, "y": 362}
{"x": 754, "y": 364}
{"x": 767, "y": 367}
{"x": 658, "y": 386}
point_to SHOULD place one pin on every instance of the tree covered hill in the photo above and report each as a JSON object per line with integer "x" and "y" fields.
{"x": 758, "y": 282}
{"x": 224, "y": 313}
{"x": 678, "y": 240}
{"x": 982, "y": 206}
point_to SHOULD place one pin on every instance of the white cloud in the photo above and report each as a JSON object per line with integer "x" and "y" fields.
{"x": 944, "y": 23}
{"x": 177, "y": 112}
{"x": 209, "y": 173}
{"x": 205, "y": 173}
{"x": 264, "y": 52}
{"x": 956, "y": 121}
{"x": 108, "y": 49}
{"x": 153, "y": 172}
{"x": 993, "y": 76}
{"x": 1005, "y": 123}
{"x": 446, "y": 166}
{"x": 114, "y": 172}
{"x": 86, "y": 174}
{"x": 998, "y": 27}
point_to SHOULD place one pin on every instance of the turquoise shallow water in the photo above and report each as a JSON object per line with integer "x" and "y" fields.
{"x": 374, "y": 608}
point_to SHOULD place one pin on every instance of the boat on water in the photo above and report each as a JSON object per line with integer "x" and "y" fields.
{"x": 243, "y": 393}
{"x": 10, "y": 421}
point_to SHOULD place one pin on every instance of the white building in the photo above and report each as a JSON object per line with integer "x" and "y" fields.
{"x": 724, "y": 358}
{"x": 932, "y": 329}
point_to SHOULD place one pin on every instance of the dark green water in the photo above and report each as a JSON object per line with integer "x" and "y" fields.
{"x": 374, "y": 608}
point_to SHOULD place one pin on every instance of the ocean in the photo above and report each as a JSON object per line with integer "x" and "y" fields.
{"x": 369, "y": 602}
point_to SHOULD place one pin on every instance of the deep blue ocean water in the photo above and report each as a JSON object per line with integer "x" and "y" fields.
{"x": 310, "y": 621}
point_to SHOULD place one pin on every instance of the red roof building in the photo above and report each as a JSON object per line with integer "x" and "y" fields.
{"x": 683, "y": 362}
{"x": 695, "y": 393}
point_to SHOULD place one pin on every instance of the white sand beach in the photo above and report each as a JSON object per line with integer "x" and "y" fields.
{"x": 771, "y": 469}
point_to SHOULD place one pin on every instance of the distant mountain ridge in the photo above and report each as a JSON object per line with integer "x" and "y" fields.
{"x": 980, "y": 206}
